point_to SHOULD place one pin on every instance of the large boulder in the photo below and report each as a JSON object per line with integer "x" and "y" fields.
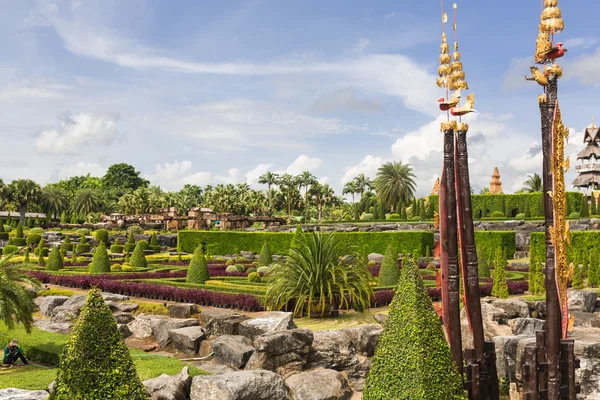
{"x": 233, "y": 351}
{"x": 188, "y": 339}
{"x": 319, "y": 384}
{"x": 143, "y": 326}
{"x": 49, "y": 303}
{"x": 357, "y": 373}
{"x": 123, "y": 317}
{"x": 124, "y": 329}
{"x": 494, "y": 324}
{"x": 509, "y": 355}
{"x": 161, "y": 330}
{"x": 63, "y": 314}
{"x": 537, "y": 309}
{"x": 114, "y": 297}
{"x": 185, "y": 310}
{"x": 526, "y": 326}
{"x": 125, "y": 306}
{"x": 513, "y": 308}
{"x": 582, "y": 300}
{"x": 268, "y": 322}
{"x": 20, "y": 394}
{"x": 586, "y": 319}
{"x": 221, "y": 322}
{"x": 587, "y": 349}
{"x": 284, "y": 352}
{"x": 48, "y": 326}
{"x": 239, "y": 385}
{"x": 364, "y": 338}
{"x": 332, "y": 349}
{"x": 166, "y": 387}
{"x": 76, "y": 301}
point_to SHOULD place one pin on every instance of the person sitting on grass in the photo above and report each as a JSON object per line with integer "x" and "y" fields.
{"x": 13, "y": 352}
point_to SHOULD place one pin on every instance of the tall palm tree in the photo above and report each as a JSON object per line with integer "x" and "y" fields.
{"x": 289, "y": 190}
{"x": 306, "y": 179}
{"x": 269, "y": 178}
{"x": 533, "y": 184}
{"x": 56, "y": 199}
{"x": 24, "y": 193}
{"x": 395, "y": 183}
{"x": 351, "y": 188}
{"x": 363, "y": 183}
{"x": 3, "y": 193}
{"x": 321, "y": 196}
{"x": 318, "y": 276}
{"x": 86, "y": 201}
{"x": 16, "y": 305}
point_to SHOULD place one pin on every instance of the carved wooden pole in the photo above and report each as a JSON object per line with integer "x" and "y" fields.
{"x": 553, "y": 314}
{"x": 449, "y": 248}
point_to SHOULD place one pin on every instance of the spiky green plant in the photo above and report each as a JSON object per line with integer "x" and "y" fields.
{"x": 16, "y": 305}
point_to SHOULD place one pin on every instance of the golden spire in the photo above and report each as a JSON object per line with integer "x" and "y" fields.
{"x": 551, "y": 19}
{"x": 444, "y": 70}
{"x": 458, "y": 75}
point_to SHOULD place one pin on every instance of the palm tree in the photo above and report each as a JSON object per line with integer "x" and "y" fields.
{"x": 306, "y": 179}
{"x": 3, "y": 193}
{"x": 363, "y": 184}
{"x": 321, "y": 195}
{"x": 269, "y": 178}
{"x": 351, "y": 188}
{"x": 289, "y": 190}
{"x": 319, "y": 276}
{"x": 395, "y": 183}
{"x": 86, "y": 201}
{"x": 24, "y": 192}
{"x": 16, "y": 304}
{"x": 533, "y": 184}
{"x": 56, "y": 199}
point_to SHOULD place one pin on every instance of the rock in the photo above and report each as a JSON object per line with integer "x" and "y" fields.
{"x": 124, "y": 329}
{"x": 214, "y": 367}
{"x": 331, "y": 349}
{"x": 375, "y": 257}
{"x": 364, "y": 338}
{"x": 221, "y": 322}
{"x": 537, "y": 309}
{"x": 182, "y": 310}
{"x": 268, "y": 322}
{"x": 509, "y": 352}
{"x": 52, "y": 386}
{"x": 357, "y": 374}
{"x": 582, "y": 300}
{"x": 123, "y": 318}
{"x": 585, "y": 319}
{"x": 494, "y": 324}
{"x": 187, "y": 339}
{"x": 122, "y": 307}
{"x": 142, "y": 327}
{"x": 63, "y": 314}
{"x": 48, "y": 326}
{"x": 49, "y": 303}
{"x": 320, "y": 384}
{"x": 513, "y": 308}
{"x": 114, "y": 297}
{"x": 381, "y": 318}
{"x": 161, "y": 330}
{"x": 76, "y": 301}
{"x": 587, "y": 349}
{"x": 284, "y": 352}
{"x": 19, "y": 394}
{"x": 239, "y": 385}
{"x": 247, "y": 254}
{"x": 526, "y": 326}
{"x": 233, "y": 351}
{"x": 491, "y": 312}
{"x": 166, "y": 387}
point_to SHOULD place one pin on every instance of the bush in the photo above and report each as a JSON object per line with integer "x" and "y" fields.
{"x": 3, "y": 235}
{"x": 575, "y": 215}
{"x": 83, "y": 248}
{"x": 577, "y": 278}
{"x": 44, "y": 250}
{"x": 500, "y": 289}
{"x": 240, "y": 268}
{"x": 412, "y": 358}
{"x": 265, "y": 255}
{"x": 520, "y": 216}
{"x": 254, "y": 277}
{"x": 10, "y": 249}
{"x": 126, "y": 267}
{"x": 389, "y": 272}
{"x": 19, "y": 234}
{"x": 96, "y": 364}
{"x": 7, "y": 228}
{"x": 101, "y": 236}
{"x": 394, "y": 217}
{"x": 229, "y": 262}
{"x": 55, "y": 260}
{"x": 33, "y": 239}
{"x": 366, "y": 217}
{"x": 231, "y": 268}
{"x": 130, "y": 245}
{"x": 198, "y": 269}
{"x": 83, "y": 232}
{"x": 255, "y": 264}
{"x": 263, "y": 270}
{"x": 154, "y": 243}
{"x": 143, "y": 244}
{"x": 100, "y": 262}
{"x": 36, "y": 230}
{"x": 251, "y": 270}
{"x": 497, "y": 214}
{"x": 135, "y": 230}
{"x": 117, "y": 248}
{"x": 67, "y": 245}
{"x": 116, "y": 268}
{"x": 138, "y": 258}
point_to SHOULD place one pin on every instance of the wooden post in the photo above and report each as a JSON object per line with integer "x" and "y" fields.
{"x": 529, "y": 373}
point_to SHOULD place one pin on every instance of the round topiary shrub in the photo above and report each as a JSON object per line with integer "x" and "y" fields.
{"x": 143, "y": 244}
{"x": 432, "y": 267}
{"x": 10, "y": 249}
{"x": 67, "y": 245}
{"x": 231, "y": 268}
{"x": 125, "y": 267}
{"x": 240, "y": 268}
{"x": 33, "y": 239}
{"x": 251, "y": 270}
{"x": 36, "y": 230}
{"x": 198, "y": 269}
{"x": 254, "y": 277}
{"x": 575, "y": 215}
{"x": 262, "y": 270}
{"x": 394, "y": 217}
{"x": 115, "y": 268}
{"x": 366, "y": 217}
{"x": 520, "y": 216}
{"x": 19, "y": 241}
{"x": 229, "y": 262}
{"x": 55, "y": 260}
{"x": 138, "y": 258}
{"x": 101, "y": 235}
{"x": 135, "y": 230}
{"x": 497, "y": 214}
{"x": 255, "y": 264}
{"x": 371, "y": 263}
{"x": 100, "y": 262}
{"x": 83, "y": 232}
{"x": 117, "y": 248}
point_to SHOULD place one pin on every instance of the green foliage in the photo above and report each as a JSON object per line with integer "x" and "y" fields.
{"x": 517, "y": 203}
{"x": 536, "y": 277}
{"x": 430, "y": 209}
{"x": 577, "y": 278}
{"x": 520, "y": 216}
{"x": 228, "y": 262}
{"x": 412, "y": 358}
{"x": 36, "y": 230}
{"x": 101, "y": 236}
{"x": 55, "y": 261}
{"x": 33, "y": 239}
{"x": 154, "y": 243}
{"x": 17, "y": 305}
{"x": 503, "y": 205}
{"x": 488, "y": 242}
{"x": 584, "y": 211}
{"x": 298, "y": 234}
{"x": 422, "y": 210}
{"x": 117, "y": 248}
{"x": 225, "y": 242}
{"x": 130, "y": 245}
{"x": 499, "y": 289}
{"x": 254, "y": 277}
{"x": 593, "y": 206}
{"x": 83, "y": 232}
{"x": 67, "y": 245}
{"x": 10, "y": 249}
{"x": 240, "y": 268}
{"x": 19, "y": 234}
{"x": 63, "y": 217}
{"x": 265, "y": 255}
{"x": 26, "y": 258}
{"x": 251, "y": 270}
{"x": 574, "y": 215}
{"x": 527, "y": 209}
{"x": 96, "y": 364}
{"x": 100, "y": 262}
{"x": 83, "y": 248}
{"x": 143, "y": 244}
{"x": 198, "y": 269}
{"x": 394, "y": 217}
{"x": 594, "y": 270}
{"x": 483, "y": 266}
{"x": 497, "y": 214}
{"x": 135, "y": 229}
{"x": 138, "y": 258}
{"x": 231, "y": 268}
{"x": 389, "y": 272}
{"x": 404, "y": 214}
{"x": 29, "y": 222}
{"x": 484, "y": 209}
{"x": 74, "y": 220}
{"x": 73, "y": 257}
{"x": 366, "y": 217}
{"x": 40, "y": 250}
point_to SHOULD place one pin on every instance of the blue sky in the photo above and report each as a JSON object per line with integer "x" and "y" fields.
{"x": 220, "y": 91}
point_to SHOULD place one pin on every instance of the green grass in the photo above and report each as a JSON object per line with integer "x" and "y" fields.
{"x": 345, "y": 320}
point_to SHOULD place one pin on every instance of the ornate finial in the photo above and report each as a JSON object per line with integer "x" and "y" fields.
{"x": 593, "y": 124}
{"x": 551, "y": 19}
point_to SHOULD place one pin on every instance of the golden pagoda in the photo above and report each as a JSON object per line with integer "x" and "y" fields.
{"x": 496, "y": 184}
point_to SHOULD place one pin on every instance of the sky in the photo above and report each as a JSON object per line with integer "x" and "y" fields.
{"x": 209, "y": 92}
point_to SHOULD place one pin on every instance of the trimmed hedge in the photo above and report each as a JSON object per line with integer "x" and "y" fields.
{"x": 19, "y": 241}
{"x": 101, "y": 236}
{"x": 100, "y": 262}
{"x": 370, "y": 242}
{"x": 265, "y": 255}
{"x": 83, "y": 248}
{"x": 138, "y": 258}
{"x": 583, "y": 243}
{"x": 488, "y": 242}
{"x": 55, "y": 260}
{"x": 198, "y": 269}
{"x": 67, "y": 245}
{"x": 33, "y": 239}
{"x": 154, "y": 243}
{"x": 10, "y": 249}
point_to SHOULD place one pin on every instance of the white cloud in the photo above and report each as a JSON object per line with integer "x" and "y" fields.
{"x": 303, "y": 163}
{"x": 28, "y": 90}
{"x": 580, "y": 42}
{"x": 234, "y": 175}
{"x": 392, "y": 15}
{"x": 361, "y": 45}
{"x": 585, "y": 68}
{"x": 368, "y": 166}
{"x": 78, "y": 130}
{"x": 254, "y": 174}
{"x": 323, "y": 180}
{"x": 345, "y": 99}
{"x": 514, "y": 78}
{"x": 172, "y": 176}
{"x": 80, "y": 168}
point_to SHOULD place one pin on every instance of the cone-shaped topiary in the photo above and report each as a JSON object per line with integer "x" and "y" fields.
{"x": 499, "y": 289}
{"x": 154, "y": 243}
{"x": 63, "y": 217}
{"x": 265, "y": 255}
{"x": 26, "y": 259}
{"x": 593, "y": 208}
{"x": 55, "y": 261}
{"x": 577, "y": 278}
{"x": 584, "y": 211}
{"x": 130, "y": 245}
{"x": 198, "y": 269}
{"x": 138, "y": 258}
{"x": 67, "y": 245}
{"x": 389, "y": 272}
{"x": 74, "y": 220}
{"x": 40, "y": 252}
{"x": 297, "y": 239}
{"x": 96, "y": 364}
{"x": 73, "y": 257}
{"x": 102, "y": 236}
{"x": 19, "y": 234}
{"x": 100, "y": 262}
{"x": 412, "y": 358}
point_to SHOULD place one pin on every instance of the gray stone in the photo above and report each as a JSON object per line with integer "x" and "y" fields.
{"x": 63, "y": 314}
{"x": 114, "y": 297}
{"x": 494, "y": 324}
{"x": 587, "y": 349}
{"x": 526, "y": 326}
{"x": 20, "y": 394}
{"x": 166, "y": 387}
{"x": 49, "y": 303}
{"x": 537, "y": 309}
{"x": 239, "y": 385}
{"x": 375, "y": 257}
{"x": 509, "y": 351}
{"x": 126, "y": 306}
{"x": 49, "y": 326}
{"x": 123, "y": 318}
{"x": 586, "y": 319}
{"x": 221, "y": 322}
{"x": 381, "y": 318}
{"x": 513, "y": 308}
{"x": 187, "y": 339}
{"x": 76, "y": 301}
{"x": 161, "y": 330}
{"x": 268, "y": 322}
{"x": 284, "y": 352}
{"x": 124, "y": 329}
{"x": 319, "y": 384}
{"x": 582, "y": 300}
{"x": 182, "y": 310}
{"x": 357, "y": 373}
{"x": 143, "y": 326}
{"x": 331, "y": 349}
{"x": 233, "y": 351}
{"x": 364, "y": 338}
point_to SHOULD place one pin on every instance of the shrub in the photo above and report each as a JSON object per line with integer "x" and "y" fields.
{"x": 265, "y": 255}
{"x": 575, "y": 215}
{"x": 497, "y": 214}
{"x": 154, "y": 243}
{"x": 115, "y": 268}
{"x": 73, "y": 220}
{"x": 36, "y": 230}
{"x": 366, "y": 217}
{"x": 251, "y": 270}
{"x": 263, "y": 270}
{"x": 536, "y": 277}
{"x": 96, "y": 364}
{"x": 117, "y": 248}
{"x": 584, "y": 210}
{"x": 412, "y": 358}
{"x": 520, "y": 216}
{"x": 298, "y": 235}
{"x": 143, "y": 244}
{"x": 83, "y": 248}
{"x": 67, "y": 245}
{"x": 55, "y": 260}
{"x": 255, "y": 264}
{"x": 10, "y": 249}
{"x": 135, "y": 230}
{"x": 3, "y": 232}
{"x": 100, "y": 262}
{"x": 126, "y": 267}
{"x": 138, "y": 258}
{"x": 198, "y": 269}
{"x": 394, "y": 217}
{"x": 33, "y": 239}
{"x": 19, "y": 234}
{"x": 577, "y": 278}
{"x": 26, "y": 258}
{"x": 83, "y": 232}
{"x": 229, "y": 262}
{"x": 389, "y": 272}
{"x": 41, "y": 249}
{"x": 240, "y": 268}
{"x": 101, "y": 236}
{"x": 254, "y": 277}
{"x": 231, "y": 268}
{"x": 130, "y": 245}
{"x": 7, "y": 228}
{"x": 500, "y": 289}
{"x": 19, "y": 241}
